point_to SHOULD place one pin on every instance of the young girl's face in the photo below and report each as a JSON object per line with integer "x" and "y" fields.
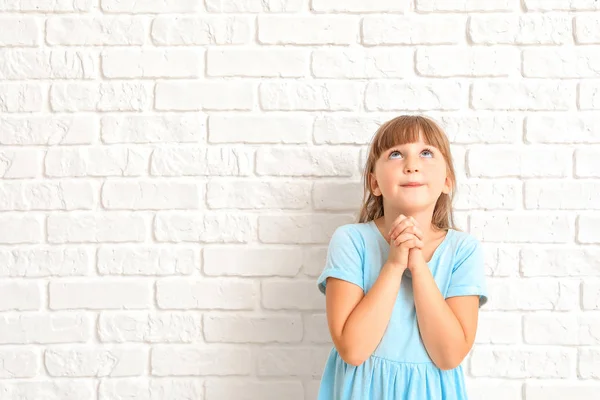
{"x": 410, "y": 176}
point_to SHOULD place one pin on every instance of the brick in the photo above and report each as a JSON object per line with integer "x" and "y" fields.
{"x": 149, "y": 327}
{"x": 96, "y": 31}
{"x": 504, "y": 161}
{"x": 45, "y": 328}
{"x": 391, "y": 29}
{"x": 312, "y": 30}
{"x": 316, "y": 329}
{"x": 310, "y": 96}
{"x": 533, "y": 294}
{"x": 48, "y": 130}
{"x": 359, "y": 6}
{"x": 587, "y": 163}
{"x": 589, "y": 363}
{"x": 450, "y": 61}
{"x": 19, "y": 363}
{"x": 204, "y": 95}
{"x": 590, "y": 299}
{"x": 79, "y": 361}
{"x": 208, "y": 294}
{"x": 561, "y": 5}
{"x": 99, "y": 294}
{"x": 465, "y": 5}
{"x": 249, "y": 390}
{"x": 560, "y": 261}
{"x": 487, "y": 195}
{"x": 259, "y": 128}
{"x": 551, "y": 129}
{"x": 18, "y": 163}
{"x": 202, "y": 30}
{"x": 142, "y": 387}
{"x": 258, "y": 195}
{"x": 520, "y": 96}
{"x": 291, "y": 295}
{"x": 415, "y": 96}
{"x": 252, "y": 329}
{"x": 588, "y": 229}
{"x": 265, "y": 62}
{"x": 498, "y": 328}
{"x": 304, "y": 228}
{"x": 20, "y": 296}
{"x": 154, "y": 260}
{"x": 98, "y": 96}
{"x": 362, "y": 63}
{"x": 587, "y": 28}
{"x": 46, "y": 6}
{"x": 288, "y": 361}
{"x": 307, "y": 161}
{"x": 562, "y": 195}
{"x": 19, "y": 64}
{"x": 59, "y": 389}
{"x": 557, "y": 390}
{"x": 345, "y": 130}
{"x": 46, "y": 261}
{"x": 21, "y": 97}
{"x": 149, "y": 6}
{"x": 500, "y": 260}
{"x": 244, "y": 261}
{"x": 203, "y": 161}
{"x": 200, "y": 361}
{"x": 17, "y": 229}
{"x": 20, "y": 31}
{"x": 153, "y": 63}
{"x": 67, "y": 195}
{"x": 254, "y": 6}
{"x": 529, "y": 29}
{"x": 178, "y": 227}
{"x": 560, "y": 63}
{"x": 81, "y": 227}
{"x": 161, "y": 128}
{"x": 522, "y": 228}
{"x": 589, "y": 96}
{"x": 342, "y": 196}
{"x": 96, "y": 161}
{"x": 151, "y": 195}
{"x": 511, "y": 362}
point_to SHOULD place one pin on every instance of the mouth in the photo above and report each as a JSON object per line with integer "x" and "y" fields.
{"x": 413, "y": 184}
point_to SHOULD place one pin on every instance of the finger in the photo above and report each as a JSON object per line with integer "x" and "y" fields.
{"x": 399, "y": 219}
{"x": 401, "y": 227}
{"x": 418, "y": 232}
{"x": 403, "y": 238}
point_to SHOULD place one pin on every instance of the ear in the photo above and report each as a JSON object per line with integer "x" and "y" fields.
{"x": 447, "y": 186}
{"x": 374, "y": 185}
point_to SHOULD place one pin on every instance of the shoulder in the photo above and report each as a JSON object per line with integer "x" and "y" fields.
{"x": 466, "y": 246}
{"x": 354, "y": 233}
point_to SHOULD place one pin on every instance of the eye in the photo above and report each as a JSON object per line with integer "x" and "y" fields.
{"x": 427, "y": 151}
{"x": 394, "y": 152}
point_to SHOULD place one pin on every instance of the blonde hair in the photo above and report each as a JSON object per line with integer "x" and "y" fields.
{"x": 401, "y": 130}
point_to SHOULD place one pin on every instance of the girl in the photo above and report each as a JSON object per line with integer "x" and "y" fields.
{"x": 403, "y": 286}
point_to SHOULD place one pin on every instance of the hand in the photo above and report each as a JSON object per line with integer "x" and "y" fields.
{"x": 403, "y": 237}
{"x": 415, "y": 255}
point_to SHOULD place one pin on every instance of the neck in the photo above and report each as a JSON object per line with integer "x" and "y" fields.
{"x": 423, "y": 218}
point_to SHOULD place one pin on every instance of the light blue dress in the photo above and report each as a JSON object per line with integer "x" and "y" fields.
{"x": 399, "y": 368}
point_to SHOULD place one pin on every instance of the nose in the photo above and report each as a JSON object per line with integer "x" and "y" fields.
{"x": 411, "y": 166}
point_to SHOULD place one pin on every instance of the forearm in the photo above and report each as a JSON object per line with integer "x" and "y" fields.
{"x": 368, "y": 321}
{"x": 440, "y": 330}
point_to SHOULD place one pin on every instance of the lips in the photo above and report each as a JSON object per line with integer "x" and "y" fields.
{"x": 412, "y": 184}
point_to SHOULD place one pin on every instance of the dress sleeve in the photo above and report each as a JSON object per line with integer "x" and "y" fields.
{"x": 468, "y": 273}
{"x": 344, "y": 259}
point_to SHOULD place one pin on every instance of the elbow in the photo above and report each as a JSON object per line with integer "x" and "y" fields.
{"x": 351, "y": 357}
{"x": 448, "y": 362}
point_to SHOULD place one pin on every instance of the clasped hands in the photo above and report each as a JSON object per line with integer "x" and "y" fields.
{"x": 406, "y": 232}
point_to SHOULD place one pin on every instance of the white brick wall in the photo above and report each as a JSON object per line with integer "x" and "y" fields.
{"x": 172, "y": 172}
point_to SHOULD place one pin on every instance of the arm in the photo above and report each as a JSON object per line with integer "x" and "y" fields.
{"x": 357, "y": 322}
{"x": 447, "y": 327}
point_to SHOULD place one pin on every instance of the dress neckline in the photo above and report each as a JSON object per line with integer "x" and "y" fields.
{"x": 436, "y": 252}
